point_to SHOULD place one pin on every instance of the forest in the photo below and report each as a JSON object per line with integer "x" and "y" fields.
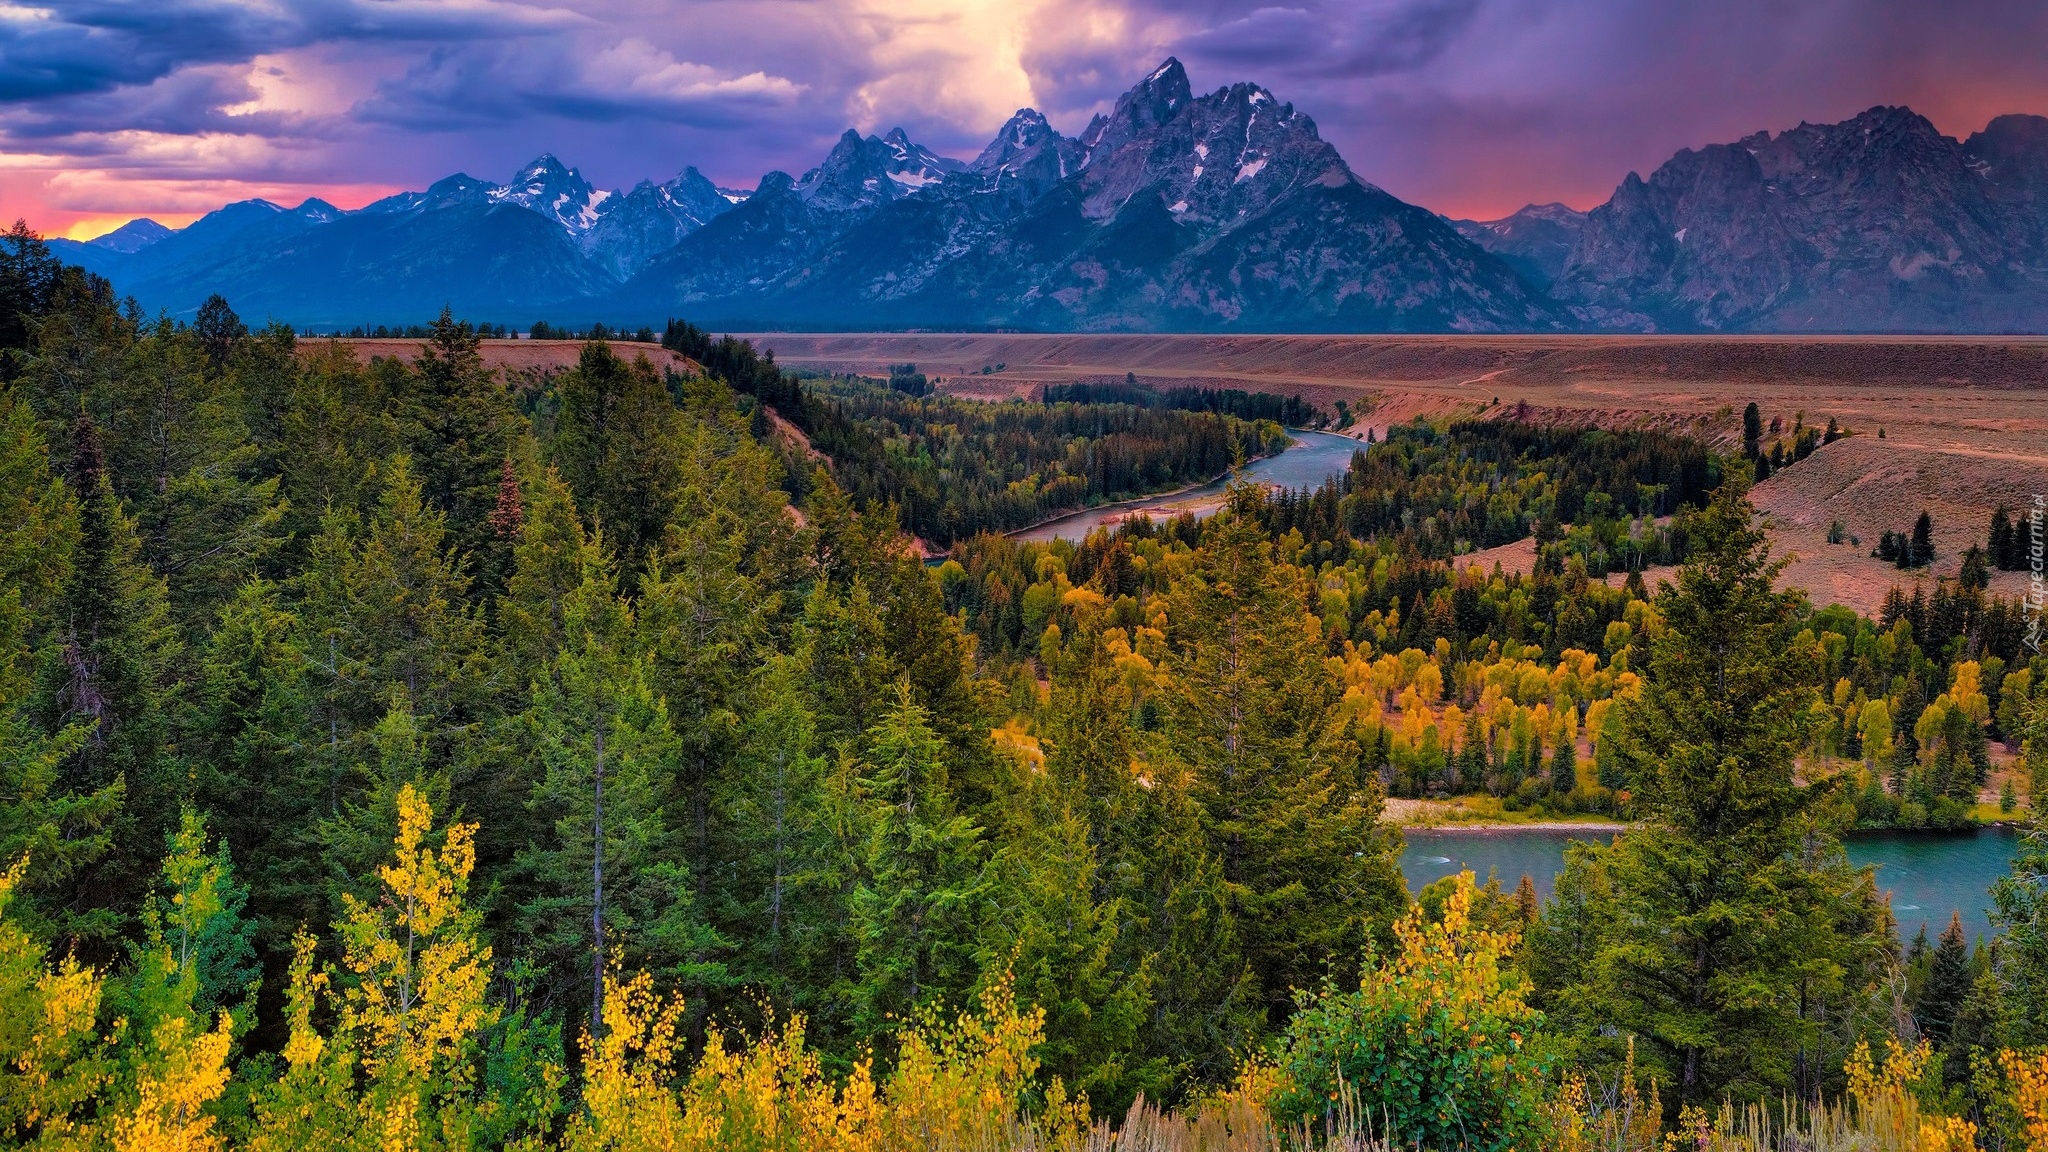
{"x": 955, "y": 468}
{"x": 393, "y": 758}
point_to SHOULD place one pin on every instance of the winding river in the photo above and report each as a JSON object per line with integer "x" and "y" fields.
{"x": 1928, "y": 874}
{"x": 1311, "y": 459}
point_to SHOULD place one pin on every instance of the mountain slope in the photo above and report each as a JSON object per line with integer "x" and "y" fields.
{"x": 1535, "y": 241}
{"x": 1173, "y": 212}
{"x": 1879, "y": 223}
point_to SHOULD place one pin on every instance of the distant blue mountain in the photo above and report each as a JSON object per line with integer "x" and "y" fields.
{"x": 1225, "y": 211}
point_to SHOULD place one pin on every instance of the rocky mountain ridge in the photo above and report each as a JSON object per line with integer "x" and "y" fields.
{"x": 1223, "y": 211}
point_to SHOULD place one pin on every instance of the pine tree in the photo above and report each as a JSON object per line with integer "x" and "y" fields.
{"x": 549, "y": 560}
{"x": 1252, "y": 711}
{"x": 607, "y": 877}
{"x": 1752, "y": 430}
{"x": 248, "y": 722}
{"x": 388, "y": 609}
{"x": 702, "y": 621}
{"x": 1059, "y": 942}
{"x": 459, "y": 428}
{"x": 1718, "y": 898}
{"x": 617, "y": 442}
{"x": 60, "y": 830}
{"x": 220, "y": 332}
{"x": 179, "y": 455}
{"x": 1207, "y": 1005}
{"x": 783, "y": 903}
{"x": 917, "y": 908}
{"x": 1564, "y": 763}
{"x": 1948, "y": 983}
{"x": 1920, "y": 552}
{"x": 104, "y": 671}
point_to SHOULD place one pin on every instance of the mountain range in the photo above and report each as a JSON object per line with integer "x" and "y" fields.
{"x": 1224, "y": 211}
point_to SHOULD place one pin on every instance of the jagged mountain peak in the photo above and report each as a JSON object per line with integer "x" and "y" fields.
{"x": 1027, "y": 156}
{"x": 1153, "y": 101}
{"x": 556, "y": 191}
{"x": 1221, "y": 157}
{"x": 1876, "y": 222}
{"x": 863, "y": 171}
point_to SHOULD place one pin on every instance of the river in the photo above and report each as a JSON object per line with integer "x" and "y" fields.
{"x": 1929, "y": 875}
{"x": 1313, "y": 458}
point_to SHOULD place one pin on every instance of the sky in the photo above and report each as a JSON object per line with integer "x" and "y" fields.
{"x": 112, "y": 109}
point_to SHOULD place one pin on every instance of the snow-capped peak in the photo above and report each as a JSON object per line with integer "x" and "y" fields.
{"x": 556, "y": 191}
{"x": 864, "y": 171}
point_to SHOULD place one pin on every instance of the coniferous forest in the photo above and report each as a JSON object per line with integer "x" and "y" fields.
{"x": 395, "y": 757}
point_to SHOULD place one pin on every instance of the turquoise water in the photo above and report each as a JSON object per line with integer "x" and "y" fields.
{"x": 1929, "y": 875}
{"x": 1313, "y": 458}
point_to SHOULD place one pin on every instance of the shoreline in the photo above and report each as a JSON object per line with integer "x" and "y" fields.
{"x": 1485, "y": 826}
{"x": 1168, "y": 495}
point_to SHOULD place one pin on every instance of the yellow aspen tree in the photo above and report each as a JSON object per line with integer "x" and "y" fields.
{"x": 51, "y": 1057}
{"x": 414, "y": 1000}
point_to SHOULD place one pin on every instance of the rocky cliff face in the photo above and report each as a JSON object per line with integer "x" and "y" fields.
{"x": 1224, "y": 211}
{"x": 1879, "y": 223}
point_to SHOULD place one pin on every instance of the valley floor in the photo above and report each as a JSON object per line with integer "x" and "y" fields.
{"x": 1965, "y": 419}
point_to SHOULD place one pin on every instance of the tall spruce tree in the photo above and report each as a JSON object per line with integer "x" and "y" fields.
{"x": 1719, "y": 892}
{"x": 605, "y": 875}
{"x": 916, "y": 912}
{"x": 105, "y": 670}
{"x": 60, "y": 829}
{"x": 458, "y": 430}
{"x": 617, "y": 442}
{"x": 1252, "y": 710}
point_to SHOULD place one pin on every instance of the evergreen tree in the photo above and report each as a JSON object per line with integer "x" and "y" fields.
{"x": 1717, "y": 897}
{"x": 916, "y": 912}
{"x": 607, "y": 877}
{"x": 784, "y": 903}
{"x": 1207, "y": 1005}
{"x": 1920, "y": 552}
{"x": 179, "y": 455}
{"x": 248, "y": 723}
{"x": 60, "y": 830}
{"x": 459, "y": 430}
{"x": 389, "y": 609}
{"x": 2020, "y": 913}
{"x": 1948, "y": 982}
{"x": 28, "y": 287}
{"x": 1564, "y": 763}
{"x": 105, "y": 672}
{"x": 1252, "y": 711}
{"x": 617, "y": 444}
{"x": 549, "y": 559}
{"x": 1059, "y": 941}
{"x": 1752, "y": 430}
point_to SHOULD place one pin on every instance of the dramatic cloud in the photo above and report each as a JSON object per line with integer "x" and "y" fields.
{"x": 110, "y": 108}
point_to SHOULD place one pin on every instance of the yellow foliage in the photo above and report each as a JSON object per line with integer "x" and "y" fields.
{"x": 420, "y": 973}
{"x": 955, "y": 1085}
{"x": 189, "y": 1073}
{"x": 49, "y": 1049}
{"x": 1886, "y": 1107}
{"x": 2027, "y": 1079}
